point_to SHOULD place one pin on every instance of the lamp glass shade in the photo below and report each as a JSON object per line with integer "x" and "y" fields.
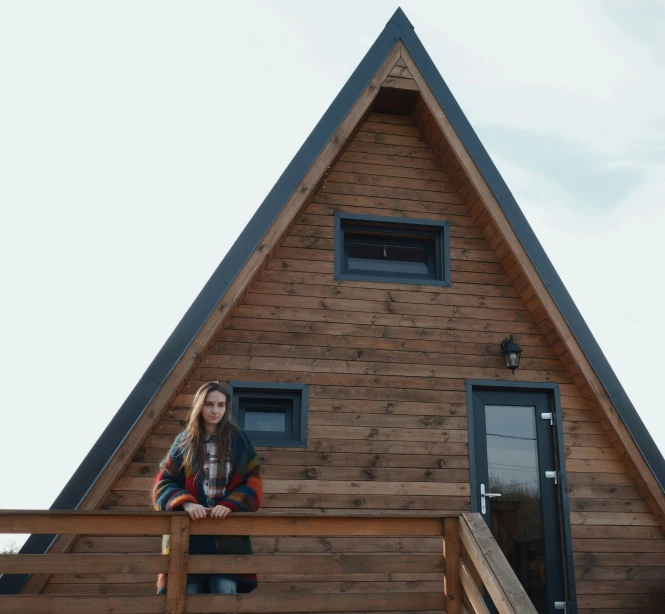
{"x": 511, "y": 352}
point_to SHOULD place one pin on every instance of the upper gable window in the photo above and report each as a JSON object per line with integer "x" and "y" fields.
{"x": 397, "y": 250}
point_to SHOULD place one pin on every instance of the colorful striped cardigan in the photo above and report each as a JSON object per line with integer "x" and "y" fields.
{"x": 175, "y": 484}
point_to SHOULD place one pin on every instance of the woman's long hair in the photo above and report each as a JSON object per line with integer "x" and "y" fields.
{"x": 193, "y": 444}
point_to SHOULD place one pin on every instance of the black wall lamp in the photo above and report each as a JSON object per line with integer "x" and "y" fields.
{"x": 511, "y": 352}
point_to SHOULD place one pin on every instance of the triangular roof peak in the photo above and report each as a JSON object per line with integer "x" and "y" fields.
{"x": 397, "y": 59}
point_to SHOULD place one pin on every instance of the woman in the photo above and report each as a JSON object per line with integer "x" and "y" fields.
{"x": 211, "y": 468}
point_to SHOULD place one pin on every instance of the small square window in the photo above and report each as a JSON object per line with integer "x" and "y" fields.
{"x": 272, "y": 414}
{"x": 398, "y": 250}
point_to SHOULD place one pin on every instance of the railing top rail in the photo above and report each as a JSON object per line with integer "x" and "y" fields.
{"x": 157, "y": 523}
{"x": 308, "y": 513}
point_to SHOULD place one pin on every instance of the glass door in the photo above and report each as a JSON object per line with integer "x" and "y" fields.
{"x": 517, "y": 488}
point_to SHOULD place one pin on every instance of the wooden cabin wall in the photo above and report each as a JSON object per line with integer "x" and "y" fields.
{"x": 387, "y": 364}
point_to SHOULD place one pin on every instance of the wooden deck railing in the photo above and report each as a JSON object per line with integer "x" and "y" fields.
{"x": 470, "y": 562}
{"x": 489, "y": 570}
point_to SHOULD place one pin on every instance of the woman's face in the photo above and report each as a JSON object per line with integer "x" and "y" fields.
{"x": 213, "y": 410}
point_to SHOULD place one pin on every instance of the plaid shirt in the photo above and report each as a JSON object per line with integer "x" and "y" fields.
{"x": 215, "y": 478}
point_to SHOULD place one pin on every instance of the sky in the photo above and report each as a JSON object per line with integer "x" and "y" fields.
{"x": 137, "y": 140}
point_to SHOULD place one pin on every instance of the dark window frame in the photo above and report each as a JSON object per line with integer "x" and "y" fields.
{"x": 295, "y": 434}
{"x": 381, "y": 225}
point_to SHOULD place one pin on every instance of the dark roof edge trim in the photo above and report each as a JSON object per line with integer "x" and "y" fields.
{"x": 191, "y": 323}
{"x": 627, "y": 412}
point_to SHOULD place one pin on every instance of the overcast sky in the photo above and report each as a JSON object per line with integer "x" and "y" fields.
{"x": 138, "y": 138}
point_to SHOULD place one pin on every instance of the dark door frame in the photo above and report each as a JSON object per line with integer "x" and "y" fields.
{"x": 553, "y": 390}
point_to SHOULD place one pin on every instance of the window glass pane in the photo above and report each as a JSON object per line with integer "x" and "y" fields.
{"x": 270, "y": 421}
{"x": 511, "y": 421}
{"x": 387, "y": 251}
{"x": 513, "y": 463}
{"x": 385, "y": 257}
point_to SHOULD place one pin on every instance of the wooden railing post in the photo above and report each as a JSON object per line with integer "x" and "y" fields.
{"x": 452, "y": 553}
{"x": 176, "y": 588}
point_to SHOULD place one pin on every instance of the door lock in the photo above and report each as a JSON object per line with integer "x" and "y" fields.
{"x": 483, "y": 496}
{"x": 560, "y": 605}
{"x": 552, "y": 475}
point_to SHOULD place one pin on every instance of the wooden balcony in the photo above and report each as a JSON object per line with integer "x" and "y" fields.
{"x": 470, "y": 563}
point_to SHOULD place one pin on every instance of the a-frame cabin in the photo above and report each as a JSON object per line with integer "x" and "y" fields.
{"x": 358, "y": 320}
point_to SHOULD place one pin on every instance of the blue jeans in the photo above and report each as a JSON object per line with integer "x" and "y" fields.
{"x": 215, "y": 584}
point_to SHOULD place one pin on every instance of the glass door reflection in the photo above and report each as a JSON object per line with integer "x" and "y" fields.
{"x": 515, "y": 517}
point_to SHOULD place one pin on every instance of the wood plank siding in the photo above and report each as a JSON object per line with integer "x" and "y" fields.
{"x": 386, "y": 364}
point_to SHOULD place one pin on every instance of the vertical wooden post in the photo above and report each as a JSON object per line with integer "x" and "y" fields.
{"x": 452, "y": 552}
{"x": 176, "y": 588}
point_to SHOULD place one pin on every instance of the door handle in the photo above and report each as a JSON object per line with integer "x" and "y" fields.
{"x": 486, "y": 495}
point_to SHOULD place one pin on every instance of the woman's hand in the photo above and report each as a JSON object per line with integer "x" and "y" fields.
{"x": 219, "y": 511}
{"x": 195, "y": 510}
